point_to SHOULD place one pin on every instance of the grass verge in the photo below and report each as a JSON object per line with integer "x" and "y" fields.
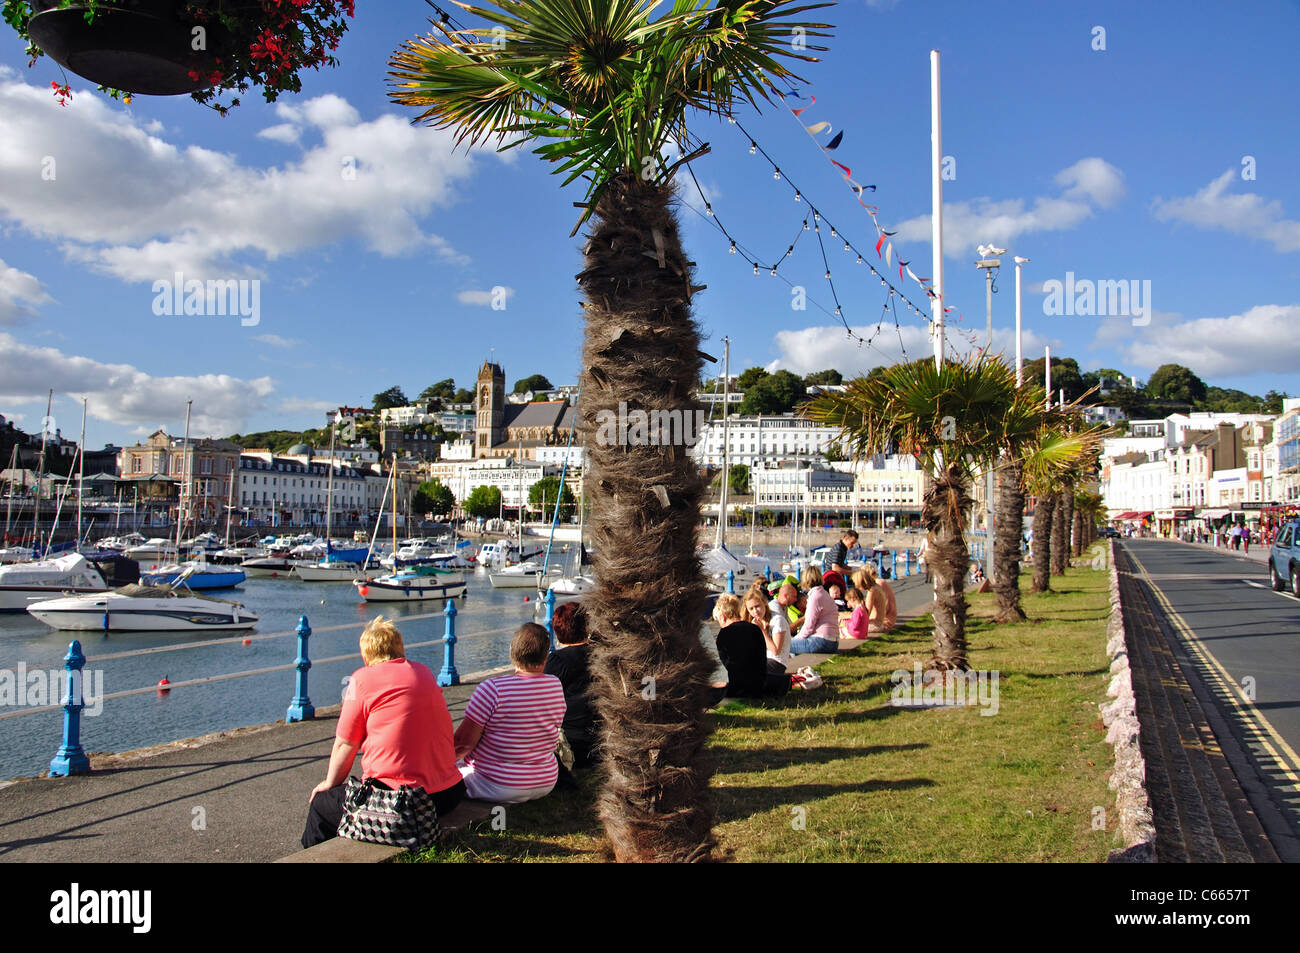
{"x": 841, "y": 774}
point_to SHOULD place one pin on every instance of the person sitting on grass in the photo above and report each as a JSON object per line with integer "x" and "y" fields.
{"x": 570, "y": 663}
{"x": 836, "y": 592}
{"x": 506, "y": 741}
{"x": 741, "y": 648}
{"x": 820, "y": 629}
{"x": 394, "y": 712}
{"x": 882, "y": 606}
{"x": 776, "y": 636}
{"x": 856, "y": 626}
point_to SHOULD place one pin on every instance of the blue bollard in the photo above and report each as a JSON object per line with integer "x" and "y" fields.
{"x": 449, "y": 675}
{"x": 767, "y": 572}
{"x": 71, "y": 757}
{"x": 301, "y": 708}
{"x": 907, "y": 562}
{"x": 731, "y": 581}
{"x": 893, "y": 564}
{"x": 550, "y": 615}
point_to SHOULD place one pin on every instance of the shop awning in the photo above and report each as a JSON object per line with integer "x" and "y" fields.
{"x": 1128, "y": 515}
{"x": 1213, "y": 514}
{"x": 1143, "y": 514}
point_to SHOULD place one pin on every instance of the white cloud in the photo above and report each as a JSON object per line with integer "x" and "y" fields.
{"x": 1214, "y": 207}
{"x": 1261, "y": 339}
{"x": 127, "y": 202}
{"x": 304, "y": 405}
{"x": 276, "y": 341}
{"x": 1093, "y": 179}
{"x": 125, "y": 395}
{"x": 285, "y": 132}
{"x": 484, "y": 298}
{"x": 19, "y": 293}
{"x": 1088, "y": 182}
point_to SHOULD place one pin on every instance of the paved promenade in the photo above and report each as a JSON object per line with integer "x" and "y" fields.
{"x": 236, "y": 796}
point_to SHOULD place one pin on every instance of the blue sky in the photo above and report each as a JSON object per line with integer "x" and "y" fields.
{"x": 1117, "y": 164}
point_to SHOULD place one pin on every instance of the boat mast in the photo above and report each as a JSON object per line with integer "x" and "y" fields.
{"x": 394, "y": 511}
{"x": 9, "y": 487}
{"x": 329, "y": 486}
{"x": 183, "y": 497}
{"x": 722, "y": 500}
{"x": 753, "y": 493}
{"x": 40, "y": 468}
{"x": 230, "y": 502}
{"x": 81, "y": 469}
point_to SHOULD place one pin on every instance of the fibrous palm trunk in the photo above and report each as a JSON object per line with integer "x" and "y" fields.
{"x": 1061, "y": 533}
{"x": 1044, "y": 507}
{"x": 1076, "y": 535}
{"x": 944, "y": 510}
{"x": 1006, "y": 549}
{"x": 651, "y": 672}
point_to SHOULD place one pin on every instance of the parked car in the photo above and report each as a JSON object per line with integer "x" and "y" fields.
{"x": 1284, "y": 559}
{"x": 1108, "y": 532}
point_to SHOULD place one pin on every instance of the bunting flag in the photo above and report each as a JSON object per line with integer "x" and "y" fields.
{"x": 802, "y": 108}
{"x": 901, "y": 265}
{"x": 889, "y": 254}
{"x": 834, "y": 143}
{"x": 880, "y": 241}
{"x": 847, "y": 171}
{"x": 818, "y": 127}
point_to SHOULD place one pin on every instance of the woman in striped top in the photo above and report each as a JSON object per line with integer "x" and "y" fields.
{"x": 506, "y": 742}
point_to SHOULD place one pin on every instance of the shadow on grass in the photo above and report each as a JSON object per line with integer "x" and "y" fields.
{"x": 745, "y": 760}
{"x": 735, "y": 803}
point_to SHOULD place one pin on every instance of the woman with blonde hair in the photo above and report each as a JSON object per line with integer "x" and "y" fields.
{"x": 393, "y": 710}
{"x": 776, "y": 634}
{"x": 887, "y": 618}
{"x": 820, "y": 631}
{"x": 741, "y": 649}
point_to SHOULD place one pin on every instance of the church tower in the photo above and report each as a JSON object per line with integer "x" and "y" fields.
{"x": 489, "y": 406}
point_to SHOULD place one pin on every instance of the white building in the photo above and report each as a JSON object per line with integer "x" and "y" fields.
{"x": 292, "y": 488}
{"x": 456, "y": 450}
{"x": 410, "y": 416}
{"x": 513, "y": 478}
{"x": 1136, "y": 482}
{"x": 752, "y": 440}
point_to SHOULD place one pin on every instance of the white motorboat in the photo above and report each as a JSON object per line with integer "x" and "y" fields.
{"x": 136, "y": 608}
{"x": 527, "y": 575}
{"x": 120, "y": 544}
{"x": 21, "y": 584}
{"x": 719, "y": 561}
{"x": 333, "y": 570}
{"x": 410, "y": 585}
{"x": 16, "y": 554}
{"x": 502, "y": 554}
{"x": 152, "y": 550}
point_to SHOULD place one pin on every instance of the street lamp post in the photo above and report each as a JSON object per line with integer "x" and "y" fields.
{"x": 990, "y": 263}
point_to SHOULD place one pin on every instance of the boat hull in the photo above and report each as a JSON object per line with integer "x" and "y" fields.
{"x": 418, "y": 589}
{"x": 327, "y": 573}
{"x": 122, "y": 614}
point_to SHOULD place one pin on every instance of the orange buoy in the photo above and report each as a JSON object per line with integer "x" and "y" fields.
{"x": 162, "y": 685}
{"x": 364, "y": 590}
{"x": 154, "y": 566}
{"x": 246, "y": 642}
{"x": 526, "y": 598}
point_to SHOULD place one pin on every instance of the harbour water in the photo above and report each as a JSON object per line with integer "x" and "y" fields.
{"x": 125, "y": 661}
{"x": 121, "y": 661}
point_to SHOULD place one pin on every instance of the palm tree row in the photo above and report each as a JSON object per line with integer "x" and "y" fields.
{"x": 958, "y": 419}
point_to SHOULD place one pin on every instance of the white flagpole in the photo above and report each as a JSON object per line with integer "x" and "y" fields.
{"x": 936, "y": 201}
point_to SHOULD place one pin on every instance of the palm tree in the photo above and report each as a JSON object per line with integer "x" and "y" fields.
{"x": 602, "y": 90}
{"x": 1044, "y": 506}
{"x": 1035, "y": 445}
{"x": 954, "y": 420}
{"x": 1061, "y": 513}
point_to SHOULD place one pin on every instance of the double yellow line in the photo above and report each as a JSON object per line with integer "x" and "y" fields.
{"x": 1258, "y": 730}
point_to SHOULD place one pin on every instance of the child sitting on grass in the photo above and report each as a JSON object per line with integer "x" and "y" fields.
{"x": 856, "y": 625}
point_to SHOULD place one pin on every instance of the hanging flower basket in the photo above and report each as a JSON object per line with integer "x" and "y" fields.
{"x": 139, "y": 46}
{"x": 170, "y": 47}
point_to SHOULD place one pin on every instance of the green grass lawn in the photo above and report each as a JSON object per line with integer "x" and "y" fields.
{"x": 840, "y": 774}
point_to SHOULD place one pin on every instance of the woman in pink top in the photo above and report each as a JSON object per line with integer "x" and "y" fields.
{"x": 821, "y": 626}
{"x": 394, "y": 711}
{"x": 507, "y": 739}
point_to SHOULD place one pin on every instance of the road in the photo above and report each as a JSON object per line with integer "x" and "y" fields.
{"x": 1239, "y": 644}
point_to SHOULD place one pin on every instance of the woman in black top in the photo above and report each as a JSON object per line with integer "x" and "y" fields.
{"x": 741, "y": 648}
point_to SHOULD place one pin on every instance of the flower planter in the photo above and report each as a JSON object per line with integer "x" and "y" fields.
{"x": 137, "y": 46}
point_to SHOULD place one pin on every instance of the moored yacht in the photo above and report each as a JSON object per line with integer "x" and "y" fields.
{"x": 136, "y": 608}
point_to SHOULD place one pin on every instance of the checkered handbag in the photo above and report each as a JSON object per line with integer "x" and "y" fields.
{"x": 403, "y": 818}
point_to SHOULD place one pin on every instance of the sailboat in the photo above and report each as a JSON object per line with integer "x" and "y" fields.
{"x": 412, "y": 583}
{"x": 719, "y": 562}
{"x": 343, "y": 565}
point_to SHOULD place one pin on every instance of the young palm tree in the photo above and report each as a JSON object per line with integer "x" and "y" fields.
{"x": 953, "y": 419}
{"x": 1044, "y": 507}
{"x": 1061, "y": 513}
{"x": 602, "y": 90}
{"x": 1037, "y": 446}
